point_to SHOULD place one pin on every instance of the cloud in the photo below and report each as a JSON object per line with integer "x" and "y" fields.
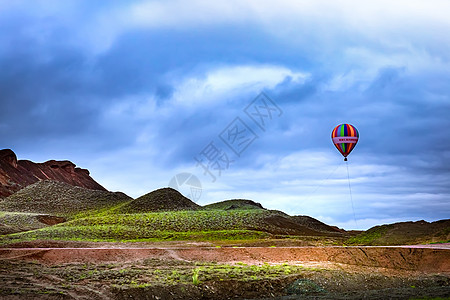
{"x": 319, "y": 187}
{"x": 141, "y": 87}
{"x": 233, "y": 81}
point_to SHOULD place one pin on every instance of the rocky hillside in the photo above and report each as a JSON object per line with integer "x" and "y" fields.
{"x": 17, "y": 174}
{"x": 60, "y": 199}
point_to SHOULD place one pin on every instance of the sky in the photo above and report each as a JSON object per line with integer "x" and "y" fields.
{"x": 237, "y": 99}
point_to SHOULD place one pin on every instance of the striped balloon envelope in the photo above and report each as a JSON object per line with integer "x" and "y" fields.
{"x": 345, "y": 137}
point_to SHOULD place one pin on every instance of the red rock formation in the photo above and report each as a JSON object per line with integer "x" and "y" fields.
{"x": 15, "y": 174}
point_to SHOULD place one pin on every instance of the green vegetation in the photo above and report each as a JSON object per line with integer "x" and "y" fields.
{"x": 179, "y": 279}
{"x": 142, "y": 274}
{"x": 233, "y": 204}
{"x": 418, "y": 232}
{"x": 241, "y": 272}
{"x": 105, "y": 216}
{"x": 161, "y": 215}
{"x": 180, "y": 220}
{"x": 178, "y": 225}
{"x": 368, "y": 237}
{"x": 165, "y": 214}
{"x": 128, "y": 234}
{"x": 165, "y": 199}
{"x": 187, "y": 274}
{"x": 441, "y": 242}
{"x": 195, "y": 279}
{"x": 173, "y": 225}
{"x": 431, "y": 298}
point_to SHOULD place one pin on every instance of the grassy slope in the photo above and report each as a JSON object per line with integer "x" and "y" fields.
{"x": 175, "y": 225}
{"x": 171, "y": 225}
{"x": 167, "y": 215}
{"x": 105, "y": 216}
{"x": 419, "y": 232}
{"x": 163, "y": 214}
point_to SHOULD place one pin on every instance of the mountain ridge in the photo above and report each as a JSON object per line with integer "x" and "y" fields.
{"x": 16, "y": 174}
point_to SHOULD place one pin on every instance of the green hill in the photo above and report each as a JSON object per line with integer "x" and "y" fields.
{"x": 165, "y": 199}
{"x": 234, "y": 204}
{"x": 175, "y": 225}
{"x": 163, "y": 214}
{"x": 404, "y": 233}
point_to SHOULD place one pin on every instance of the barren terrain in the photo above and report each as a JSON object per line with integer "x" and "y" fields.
{"x": 189, "y": 270}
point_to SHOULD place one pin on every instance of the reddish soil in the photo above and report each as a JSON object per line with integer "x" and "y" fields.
{"x": 404, "y": 258}
{"x": 50, "y": 220}
{"x": 30, "y": 271}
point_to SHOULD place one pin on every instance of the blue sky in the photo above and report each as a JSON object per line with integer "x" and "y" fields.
{"x": 136, "y": 91}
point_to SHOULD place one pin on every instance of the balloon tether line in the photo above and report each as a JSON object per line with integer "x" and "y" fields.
{"x": 322, "y": 182}
{"x": 351, "y": 197}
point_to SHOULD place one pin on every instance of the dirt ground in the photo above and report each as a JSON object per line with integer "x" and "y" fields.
{"x": 177, "y": 270}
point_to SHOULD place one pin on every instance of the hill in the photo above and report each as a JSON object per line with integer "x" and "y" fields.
{"x": 17, "y": 174}
{"x": 61, "y": 199}
{"x": 165, "y": 199}
{"x": 159, "y": 215}
{"x": 302, "y": 225}
{"x": 316, "y": 224}
{"x": 234, "y": 204}
{"x": 176, "y": 225}
{"x": 403, "y": 233}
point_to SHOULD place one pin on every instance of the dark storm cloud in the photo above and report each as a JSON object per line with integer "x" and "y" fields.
{"x": 52, "y": 88}
{"x": 140, "y": 59}
{"x": 42, "y": 94}
{"x": 414, "y": 116}
{"x": 152, "y": 62}
{"x": 399, "y": 111}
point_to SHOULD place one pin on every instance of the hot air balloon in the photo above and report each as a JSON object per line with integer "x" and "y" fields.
{"x": 345, "y": 137}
